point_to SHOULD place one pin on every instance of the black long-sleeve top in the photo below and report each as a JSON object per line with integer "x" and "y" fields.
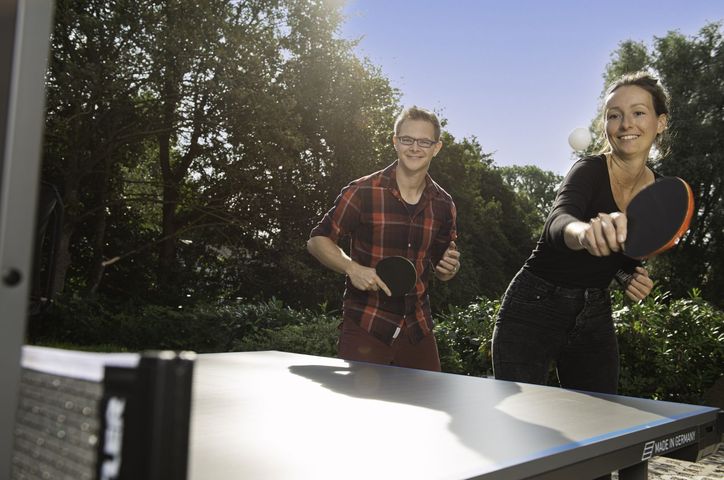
{"x": 584, "y": 193}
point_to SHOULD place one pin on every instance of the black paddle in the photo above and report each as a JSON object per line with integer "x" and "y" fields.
{"x": 398, "y": 273}
{"x": 657, "y": 217}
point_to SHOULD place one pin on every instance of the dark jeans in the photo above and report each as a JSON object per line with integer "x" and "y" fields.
{"x": 540, "y": 323}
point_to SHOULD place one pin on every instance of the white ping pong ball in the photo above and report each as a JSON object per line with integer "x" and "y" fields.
{"x": 579, "y": 139}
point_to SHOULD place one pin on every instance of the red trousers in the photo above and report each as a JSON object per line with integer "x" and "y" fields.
{"x": 356, "y": 344}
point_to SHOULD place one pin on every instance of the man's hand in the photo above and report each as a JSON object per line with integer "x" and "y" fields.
{"x": 449, "y": 264}
{"x": 366, "y": 279}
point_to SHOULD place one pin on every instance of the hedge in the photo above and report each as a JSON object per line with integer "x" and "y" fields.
{"x": 670, "y": 349}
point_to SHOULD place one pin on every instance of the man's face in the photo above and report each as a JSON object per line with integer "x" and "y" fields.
{"x": 416, "y": 158}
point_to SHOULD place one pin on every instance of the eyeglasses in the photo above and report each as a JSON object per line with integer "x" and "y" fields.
{"x": 421, "y": 142}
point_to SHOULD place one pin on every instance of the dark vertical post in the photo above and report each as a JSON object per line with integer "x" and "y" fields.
{"x": 25, "y": 27}
{"x": 639, "y": 471}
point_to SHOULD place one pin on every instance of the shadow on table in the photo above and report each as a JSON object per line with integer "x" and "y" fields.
{"x": 470, "y": 402}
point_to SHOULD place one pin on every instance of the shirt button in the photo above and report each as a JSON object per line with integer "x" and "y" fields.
{"x": 409, "y": 245}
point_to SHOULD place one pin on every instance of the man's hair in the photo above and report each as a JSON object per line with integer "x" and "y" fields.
{"x": 416, "y": 113}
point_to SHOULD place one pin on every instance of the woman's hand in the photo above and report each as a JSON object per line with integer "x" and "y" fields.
{"x": 640, "y": 285}
{"x": 603, "y": 234}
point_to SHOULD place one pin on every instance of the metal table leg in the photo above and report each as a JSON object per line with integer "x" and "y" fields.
{"x": 640, "y": 471}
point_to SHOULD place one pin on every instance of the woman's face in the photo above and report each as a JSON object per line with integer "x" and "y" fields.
{"x": 630, "y": 121}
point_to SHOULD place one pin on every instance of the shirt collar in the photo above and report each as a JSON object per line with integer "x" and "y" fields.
{"x": 389, "y": 180}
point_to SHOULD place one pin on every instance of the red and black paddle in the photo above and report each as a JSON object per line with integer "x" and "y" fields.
{"x": 658, "y": 216}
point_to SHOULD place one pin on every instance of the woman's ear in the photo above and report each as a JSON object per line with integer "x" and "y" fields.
{"x": 662, "y": 123}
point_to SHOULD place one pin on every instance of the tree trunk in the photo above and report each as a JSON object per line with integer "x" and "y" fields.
{"x": 71, "y": 206}
{"x": 62, "y": 260}
{"x": 170, "y": 198}
{"x": 95, "y": 275}
{"x": 100, "y": 222}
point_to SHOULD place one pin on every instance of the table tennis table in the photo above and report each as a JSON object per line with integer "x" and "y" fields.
{"x": 269, "y": 415}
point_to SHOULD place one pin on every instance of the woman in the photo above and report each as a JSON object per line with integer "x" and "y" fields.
{"x": 558, "y": 308}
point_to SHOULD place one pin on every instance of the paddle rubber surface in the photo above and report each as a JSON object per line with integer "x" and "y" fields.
{"x": 658, "y": 216}
{"x": 398, "y": 273}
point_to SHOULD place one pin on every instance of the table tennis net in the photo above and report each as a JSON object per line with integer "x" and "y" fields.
{"x": 57, "y": 427}
{"x": 87, "y": 416}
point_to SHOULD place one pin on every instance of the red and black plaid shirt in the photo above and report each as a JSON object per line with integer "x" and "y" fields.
{"x": 371, "y": 211}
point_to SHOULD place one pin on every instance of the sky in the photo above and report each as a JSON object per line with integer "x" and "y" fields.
{"x": 518, "y": 75}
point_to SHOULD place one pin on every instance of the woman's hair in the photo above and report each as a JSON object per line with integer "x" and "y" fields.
{"x": 648, "y": 82}
{"x": 416, "y": 113}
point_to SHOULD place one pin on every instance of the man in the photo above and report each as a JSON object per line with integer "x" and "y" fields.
{"x": 396, "y": 211}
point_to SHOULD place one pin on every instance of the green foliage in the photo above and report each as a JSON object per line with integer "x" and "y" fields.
{"x": 670, "y": 349}
{"x": 494, "y": 232}
{"x": 198, "y": 147}
{"x": 202, "y": 328}
{"x": 692, "y": 71}
{"x": 316, "y": 336}
{"x": 631, "y": 56}
{"x": 536, "y": 189}
{"x": 464, "y": 338}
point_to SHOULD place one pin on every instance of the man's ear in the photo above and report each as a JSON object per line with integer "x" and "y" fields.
{"x": 438, "y": 147}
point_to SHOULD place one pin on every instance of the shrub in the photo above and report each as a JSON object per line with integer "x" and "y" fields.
{"x": 316, "y": 336}
{"x": 202, "y": 328}
{"x": 670, "y": 349}
{"x": 464, "y": 338}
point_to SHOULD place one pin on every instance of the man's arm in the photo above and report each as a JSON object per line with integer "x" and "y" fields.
{"x": 331, "y": 256}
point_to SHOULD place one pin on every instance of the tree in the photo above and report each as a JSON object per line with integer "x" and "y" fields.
{"x": 203, "y": 66}
{"x": 197, "y": 147}
{"x": 691, "y": 70}
{"x": 91, "y": 126}
{"x": 536, "y": 188}
{"x": 342, "y": 108}
{"x": 630, "y": 57}
{"x": 208, "y": 139}
{"x": 494, "y": 236}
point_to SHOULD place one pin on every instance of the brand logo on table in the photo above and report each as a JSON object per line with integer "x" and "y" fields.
{"x": 113, "y": 446}
{"x": 648, "y": 451}
{"x": 663, "y": 445}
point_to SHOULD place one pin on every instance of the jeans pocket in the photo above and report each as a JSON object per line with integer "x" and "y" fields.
{"x": 525, "y": 294}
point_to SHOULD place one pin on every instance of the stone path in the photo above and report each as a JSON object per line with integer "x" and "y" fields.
{"x": 710, "y": 467}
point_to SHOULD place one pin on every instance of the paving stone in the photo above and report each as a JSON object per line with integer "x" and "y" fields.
{"x": 710, "y": 467}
